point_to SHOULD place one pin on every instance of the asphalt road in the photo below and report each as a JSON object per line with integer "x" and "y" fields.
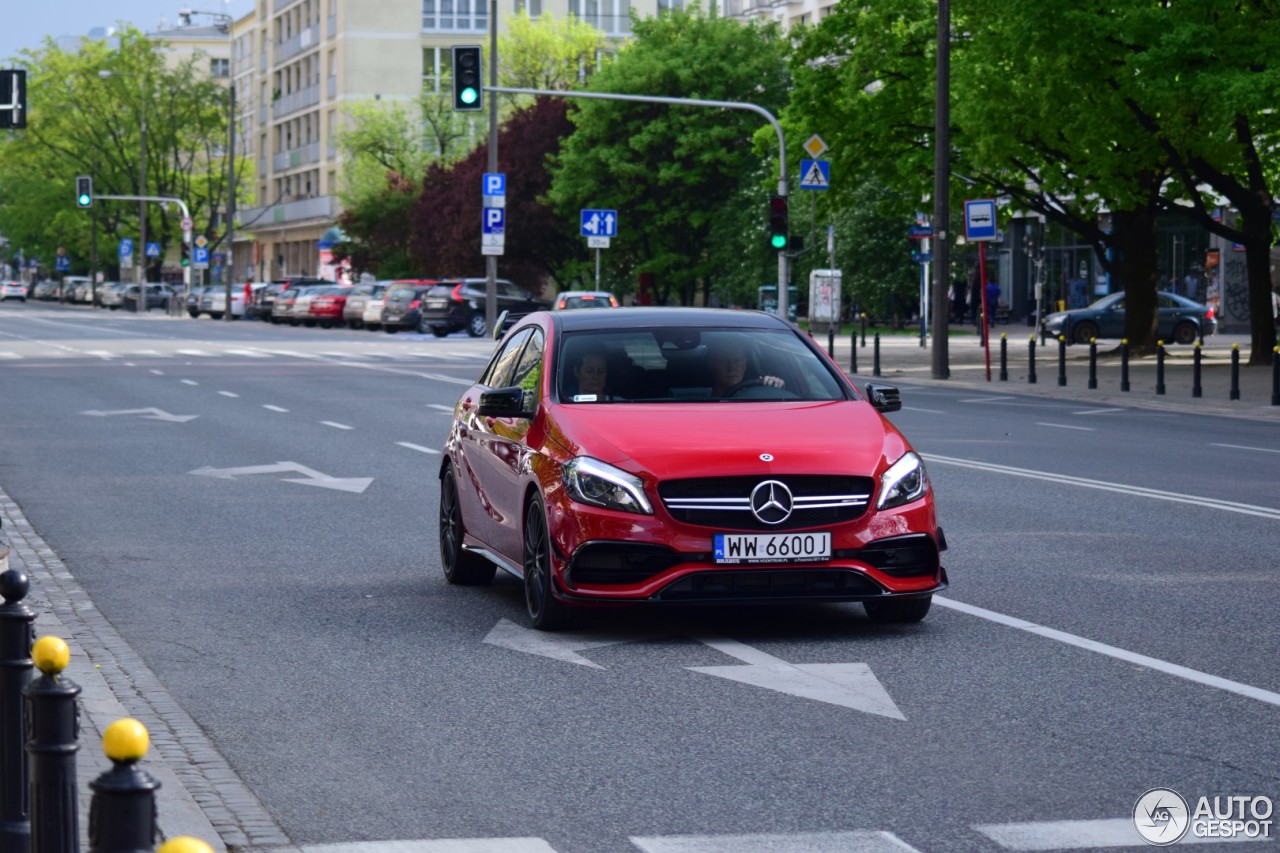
{"x": 1110, "y": 626}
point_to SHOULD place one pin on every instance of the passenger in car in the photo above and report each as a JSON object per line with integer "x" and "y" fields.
{"x": 727, "y": 361}
{"x": 591, "y": 373}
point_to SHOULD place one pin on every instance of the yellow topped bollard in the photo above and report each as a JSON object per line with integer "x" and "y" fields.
{"x": 184, "y": 844}
{"x": 126, "y": 740}
{"x": 51, "y": 655}
{"x": 122, "y": 812}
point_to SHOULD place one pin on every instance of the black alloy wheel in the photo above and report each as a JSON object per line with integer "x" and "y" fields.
{"x": 476, "y": 325}
{"x": 461, "y": 567}
{"x": 1084, "y": 331}
{"x": 545, "y": 612}
{"x": 1184, "y": 333}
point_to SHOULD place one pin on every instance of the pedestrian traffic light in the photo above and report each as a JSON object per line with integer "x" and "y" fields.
{"x": 84, "y": 191}
{"x": 468, "y": 93}
{"x": 778, "y": 222}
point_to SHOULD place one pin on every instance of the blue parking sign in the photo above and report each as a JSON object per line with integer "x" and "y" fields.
{"x": 494, "y": 220}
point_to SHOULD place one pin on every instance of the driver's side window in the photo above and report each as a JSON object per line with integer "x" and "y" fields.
{"x": 502, "y": 368}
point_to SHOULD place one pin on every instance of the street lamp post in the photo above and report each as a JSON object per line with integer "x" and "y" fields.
{"x": 141, "y": 304}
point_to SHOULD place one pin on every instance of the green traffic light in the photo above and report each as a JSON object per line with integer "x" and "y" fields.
{"x": 469, "y": 95}
{"x": 778, "y": 241}
{"x": 84, "y": 201}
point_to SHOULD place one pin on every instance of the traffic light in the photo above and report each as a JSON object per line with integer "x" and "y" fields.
{"x": 84, "y": 191}
{"x": 186, "y": 254}
{"x": 778, "y": 222}
{"x": 468, "y": 93}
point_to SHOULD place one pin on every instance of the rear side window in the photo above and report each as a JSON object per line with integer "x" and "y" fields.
{"x": 401, "y": 293}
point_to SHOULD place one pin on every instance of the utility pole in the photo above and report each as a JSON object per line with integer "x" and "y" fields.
{"x": 942, "y": 194}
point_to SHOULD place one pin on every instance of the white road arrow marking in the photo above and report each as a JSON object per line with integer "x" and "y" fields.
{"x": 310, "y": 477}
{"x": 850, "y": 685}
{"x": 150, "y": 414}
{"x": 561, "y": 647}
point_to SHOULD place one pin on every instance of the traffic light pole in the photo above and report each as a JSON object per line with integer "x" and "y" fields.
{"x": 783, "y": 259}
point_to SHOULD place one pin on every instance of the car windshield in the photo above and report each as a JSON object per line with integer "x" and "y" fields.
{"x": 691, "y": 365}
{"x": 398, "y": 293}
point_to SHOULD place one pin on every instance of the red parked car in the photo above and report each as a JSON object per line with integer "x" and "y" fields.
{"x": 686, "y": 456}
{"x": 327, "y": 304}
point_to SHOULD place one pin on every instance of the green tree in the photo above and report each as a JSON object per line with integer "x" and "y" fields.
{"x": 669, "y": 170}
{"x": 548, "y": 53}
{"x": 82, "y": 123}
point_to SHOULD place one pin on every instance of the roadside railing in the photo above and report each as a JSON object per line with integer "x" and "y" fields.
{"x": 39, "y": 739}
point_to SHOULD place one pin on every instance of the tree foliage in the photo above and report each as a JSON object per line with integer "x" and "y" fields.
{"x": 82, "y": 123}
{"x": 669, "y": 170}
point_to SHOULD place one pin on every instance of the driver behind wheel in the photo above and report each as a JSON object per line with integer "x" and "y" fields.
{"x": 727, "y": 362}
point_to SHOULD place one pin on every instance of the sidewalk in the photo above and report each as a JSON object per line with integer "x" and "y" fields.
{"x": 903, "y": 361}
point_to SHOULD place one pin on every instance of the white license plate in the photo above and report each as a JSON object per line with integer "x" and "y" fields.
{"x": 435, "y": 303}
{"x": 772, "y": 547}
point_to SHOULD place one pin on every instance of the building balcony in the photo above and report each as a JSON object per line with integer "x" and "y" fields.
{"x": 324, "y": 207}
{"x": 303, "y": 41}
{"x": 295, "y": 157}
{"x": 299, "y": 100}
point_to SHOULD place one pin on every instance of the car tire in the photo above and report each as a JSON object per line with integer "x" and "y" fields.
{"x": 215, "y": 315}
{"x": 390, "y": 330}
{"x": 194, "y": 315}
{"x": 439, "y": 331}
{"x": 1084, "y": 331}
{"x": 476, "y": 325}
{"x": 898, "y": 609}
{"x": 355, "y": 324}
{"x": 373, "y": 327}
{"x": 1184, "y": 333}
{"x": 546, "y": 613}
{"x": 461, "y": 567}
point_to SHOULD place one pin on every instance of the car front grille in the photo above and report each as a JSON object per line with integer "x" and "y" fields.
{"x": 724, "y": 503}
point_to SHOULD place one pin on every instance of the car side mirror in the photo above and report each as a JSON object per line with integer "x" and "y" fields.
{"x": 499, "y": 324}
{"x": 503, "y": 403}
{"x": 884, "y": 398}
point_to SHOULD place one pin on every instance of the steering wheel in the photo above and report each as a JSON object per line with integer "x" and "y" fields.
{"x": 744, "y": 384}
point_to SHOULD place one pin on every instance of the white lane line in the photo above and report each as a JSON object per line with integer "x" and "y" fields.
{"x": 985, "y": 399}
{"x": 9, "y": 355}
{"x": 918, "y": 409}
{"x": 151, "y": 352}
{"x": 1079, "y": 835}
{"x": 336, "y": 425}
{"x": 1096, "y": 411}
{"x": 197, "y": 352}
{"x": 1103, "y": 485}
{"x": 417, "y": 447}
{"x": 248, "y": 353}
{"x": 442, "y": 408}
{"x": 158, "y": 372}
{"x": 1246, "y": 447}
{"x": 229, "y": 393}
{"x": 274, "y": 408}
{"x": 1065, "y": 426}
{"x": 189, "y": 382}
{"x": 1166, "y": 667}
{"x": 864, "y": 841}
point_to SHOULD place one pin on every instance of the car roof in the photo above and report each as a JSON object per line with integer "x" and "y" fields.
{"x": 647, "y": 317}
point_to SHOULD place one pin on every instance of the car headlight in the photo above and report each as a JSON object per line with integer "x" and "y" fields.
{"x": 905, "y": 481}
{"x": 591, "y": 481}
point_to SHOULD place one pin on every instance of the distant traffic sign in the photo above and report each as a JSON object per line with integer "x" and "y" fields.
{"x": 815, "y": 175}
{"x": 187, "y": 224}
{"x": 599, "y": 223}
{"x": 495, "y": 183}
{"x": 126, "y": 253}
{"x": 980, "y": 220}
{"x": 917, "y": 232}
{"x": 200, "y": 258}
{"x": 153, "y": 250}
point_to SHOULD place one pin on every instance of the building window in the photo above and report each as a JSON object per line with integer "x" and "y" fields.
{"x": 438, "y": 15}
{"x": 220, "y": 67}
{"x": 431, "y": 59}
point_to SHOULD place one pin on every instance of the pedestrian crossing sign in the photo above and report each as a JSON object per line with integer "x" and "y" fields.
{"x": 815, "y": 175}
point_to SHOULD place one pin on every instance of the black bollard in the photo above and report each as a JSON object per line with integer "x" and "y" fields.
{"x": 1093, "y": 362}
{"x": 17, "y": 632}
{"x": 875, "y": 358}
{"x": 1124, "y": 364}
{"x": 1062, "y": 360}
{"x": 1159, "y": 367}
{"x": 122, "y": 813}
{"x": 864, "y": 330}
{"x": 1031, "y": 363}
{"x": 831, "y": 341}
{"x": 1275, "y": 376}
{"x": 1235, "y": 371}
{"x": 853, "y": 353}
{"x": 1004, "y": 357}
{"x": 1196, "y": 389}
{"x": 52, "y": 728}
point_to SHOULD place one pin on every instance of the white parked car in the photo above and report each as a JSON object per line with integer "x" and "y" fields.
{"x": 13, "y": 290}
{"x": 214, "y": 300}
{"x": 371, "y": 319}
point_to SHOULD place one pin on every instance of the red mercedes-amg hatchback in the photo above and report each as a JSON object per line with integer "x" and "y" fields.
{"x": 683, "y": 456}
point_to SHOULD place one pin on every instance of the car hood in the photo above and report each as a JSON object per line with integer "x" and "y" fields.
{"x": 722, "y": 439}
